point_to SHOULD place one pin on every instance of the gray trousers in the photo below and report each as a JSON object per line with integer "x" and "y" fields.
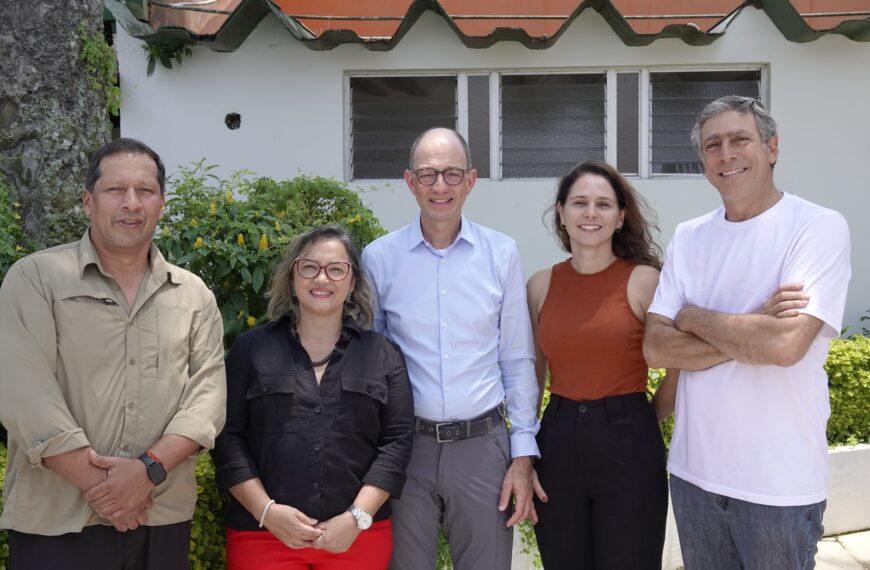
{"x": 454, "y": 486}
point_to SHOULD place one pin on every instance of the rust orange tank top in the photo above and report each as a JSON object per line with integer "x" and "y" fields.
{"x": 592, "y": 340}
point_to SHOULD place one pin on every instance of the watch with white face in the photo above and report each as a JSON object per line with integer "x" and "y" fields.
{"x": 363, "y": 519}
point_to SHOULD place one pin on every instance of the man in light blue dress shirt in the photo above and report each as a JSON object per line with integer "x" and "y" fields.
{"x": 450, "y": 293}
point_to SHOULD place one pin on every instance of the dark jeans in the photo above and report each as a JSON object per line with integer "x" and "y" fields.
{"x": 103, "y": 548}
{"x": 603, "y": 467}
{"x": 723, "y": 533}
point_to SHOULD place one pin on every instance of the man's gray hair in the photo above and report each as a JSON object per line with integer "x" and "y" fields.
{"x": 459, "y": 137}
{"x": 765, "y": 123}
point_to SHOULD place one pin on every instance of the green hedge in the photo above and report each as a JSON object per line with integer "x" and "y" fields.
{"x": 233, "y": 231}
{"x": 848, "y": 369}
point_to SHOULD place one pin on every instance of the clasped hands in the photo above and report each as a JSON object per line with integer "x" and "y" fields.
{"x": 124, "y": 496}
{"x": 297, "y": 530}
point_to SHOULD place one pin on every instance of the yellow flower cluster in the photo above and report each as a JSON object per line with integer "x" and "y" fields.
{"x": 212, "y": 209}
{"x": 194, "y": 222}
{"x": 240, "y": 239}
{"x": 354, "y": 219}
{"x": 264, "y": 243}
{"x": 198, "y": 243}
{"x": 251, "y": 321}
{"x": 230, "y": 198}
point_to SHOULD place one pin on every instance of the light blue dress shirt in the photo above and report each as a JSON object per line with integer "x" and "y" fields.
{"x": 461, "y": 319}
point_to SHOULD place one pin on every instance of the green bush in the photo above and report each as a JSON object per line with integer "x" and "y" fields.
{"x": 207, "y": 532}
{"x": 848, "y": 369}
{"x": 232, "y": 232}
{"x": 13, "y": 243}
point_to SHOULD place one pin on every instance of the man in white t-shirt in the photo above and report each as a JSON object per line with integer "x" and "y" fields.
{"x": 749, "y": 297}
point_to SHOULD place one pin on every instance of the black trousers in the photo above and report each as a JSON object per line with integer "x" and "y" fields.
{"x": 603, "y": 467}
{"x": 103, "y": 548}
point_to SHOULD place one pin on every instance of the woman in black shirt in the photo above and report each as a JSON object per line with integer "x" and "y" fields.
{"x": 319, "y": 420}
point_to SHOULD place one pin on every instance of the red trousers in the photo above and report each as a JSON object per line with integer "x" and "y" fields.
{"x": 260, "y": 550}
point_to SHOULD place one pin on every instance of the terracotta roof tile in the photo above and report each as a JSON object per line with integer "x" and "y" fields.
{"x": 379, "y": 24}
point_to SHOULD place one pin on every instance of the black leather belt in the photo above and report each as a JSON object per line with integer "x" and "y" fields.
{"x": 445, "y": 432}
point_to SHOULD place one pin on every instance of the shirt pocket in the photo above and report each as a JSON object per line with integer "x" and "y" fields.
{"x": 361, "y": 400}
{"x": 270, "y": 404}
{"x": 173, "y": 341}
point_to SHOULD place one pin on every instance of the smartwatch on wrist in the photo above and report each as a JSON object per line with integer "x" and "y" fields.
{"x": 156, "y": 471}
{"x": 363, "y": 519}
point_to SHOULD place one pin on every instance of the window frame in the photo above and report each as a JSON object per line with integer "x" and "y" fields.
{"x": 495, "y": 102}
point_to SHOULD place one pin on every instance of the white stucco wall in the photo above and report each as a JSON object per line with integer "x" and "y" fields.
{"x": 290, "y": 99}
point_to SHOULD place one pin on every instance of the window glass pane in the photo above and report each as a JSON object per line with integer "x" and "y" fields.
{"x": 551, "y": 122}
{"x": 478, "y": 123}
{"x": 627, "y": 122}
{"x": 388, "y": 113}
{"x": 677, "y": 98}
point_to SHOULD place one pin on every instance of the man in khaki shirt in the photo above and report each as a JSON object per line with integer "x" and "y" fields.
{"x": 112, "y": 379}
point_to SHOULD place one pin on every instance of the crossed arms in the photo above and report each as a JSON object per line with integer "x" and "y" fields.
{"x": 698, "y": 339}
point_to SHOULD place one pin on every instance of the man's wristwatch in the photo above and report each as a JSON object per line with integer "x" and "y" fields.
{"x": 156, "y": 471}
{"x": 363, "y": 519}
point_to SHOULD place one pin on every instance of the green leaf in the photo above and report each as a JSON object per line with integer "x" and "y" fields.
{"x": 246, "y": 274}
{"x": 257, "y": 281}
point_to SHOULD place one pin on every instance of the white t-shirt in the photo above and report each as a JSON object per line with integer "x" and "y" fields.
{"x": 757, "y": 432}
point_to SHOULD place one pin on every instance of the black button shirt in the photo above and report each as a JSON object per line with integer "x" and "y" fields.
{"x": 313, "y": 446}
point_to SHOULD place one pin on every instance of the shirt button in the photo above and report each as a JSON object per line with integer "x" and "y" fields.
{"x": 444, "y": 325}
{"x": 264, "y": 388}
{"x": 125, "y": 448}
{"x": 582, "y": 408}
{"x": 316, "y": 486}
{"x": 446, "y": 357}
{"x": 443, "y": 291}
{"x": 132, "y": 361}
{"x": 316, "y": 409}
{"x": 131, "y": 405}
{"x": 317, "y": 447}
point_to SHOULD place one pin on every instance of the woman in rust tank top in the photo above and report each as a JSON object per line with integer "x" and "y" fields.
{"x": 602, "y": 456}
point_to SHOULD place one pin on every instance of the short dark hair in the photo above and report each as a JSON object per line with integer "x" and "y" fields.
{"x": 118, "y": 146}
{"x": 634, "y": 241}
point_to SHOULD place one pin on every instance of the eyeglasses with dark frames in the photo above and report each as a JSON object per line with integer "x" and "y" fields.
{"x": 451, "y": 176}
{"x": 310, "y": 269}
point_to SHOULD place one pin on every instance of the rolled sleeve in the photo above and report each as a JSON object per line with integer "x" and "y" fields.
{"x": 517, "y": 362}
{"x": 396, "y": 439}
{"x": 32, "y": 405}
{"x": 202, "y": 409}
{"x": 57, "y": 445}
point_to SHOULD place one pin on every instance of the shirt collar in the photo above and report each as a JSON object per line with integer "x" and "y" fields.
{"x": 349, "y": 327}
{"x": 161, "y": 270}
{"x": 415, "y": 237}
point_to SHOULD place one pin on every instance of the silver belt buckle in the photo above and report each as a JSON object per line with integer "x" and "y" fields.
{"x": 438, "y": 427}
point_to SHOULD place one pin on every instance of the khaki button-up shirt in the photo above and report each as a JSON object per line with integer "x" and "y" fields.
{"x": 79, "y": 368}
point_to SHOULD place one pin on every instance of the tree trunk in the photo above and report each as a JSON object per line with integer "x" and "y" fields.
{"x": 51, "y": 116}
